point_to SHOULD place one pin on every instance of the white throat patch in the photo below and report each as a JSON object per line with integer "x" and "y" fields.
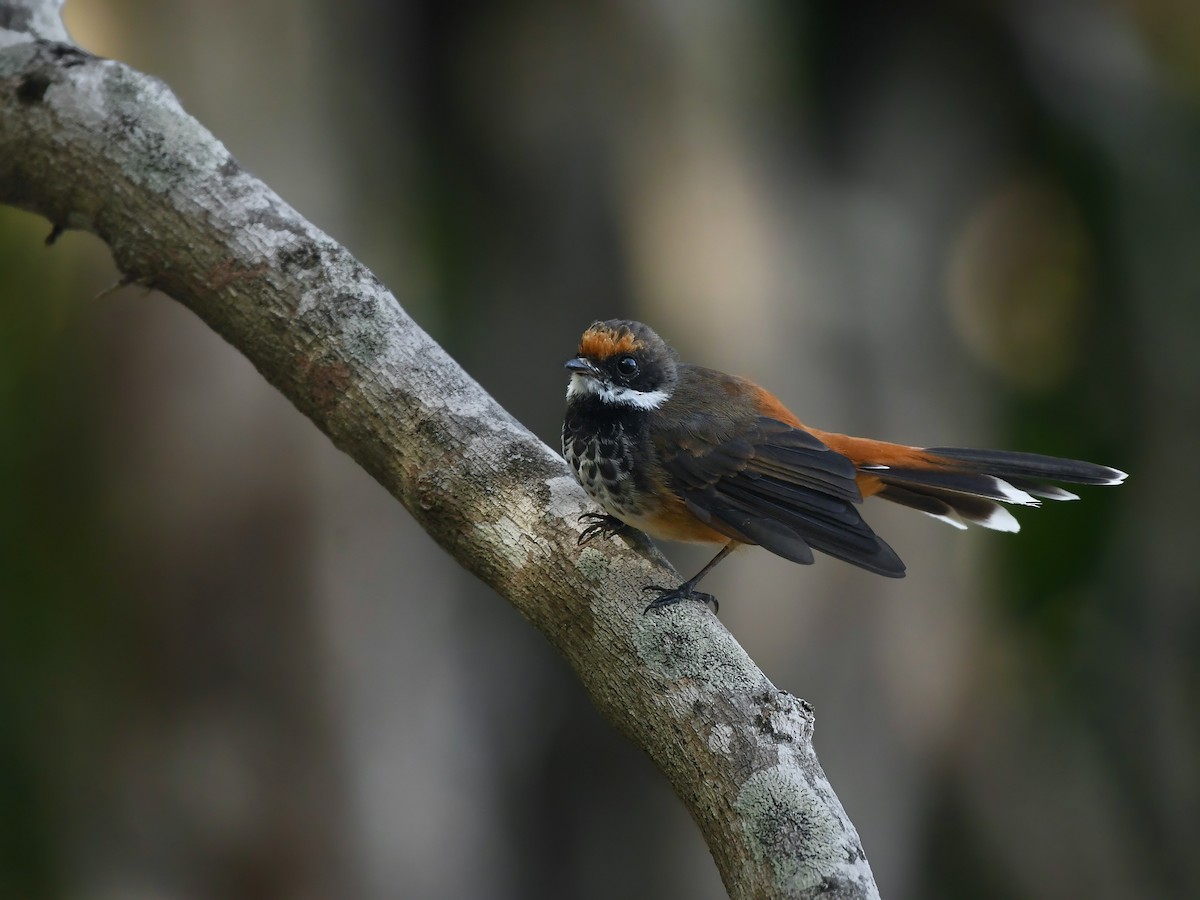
{"x": 583, "y": 385}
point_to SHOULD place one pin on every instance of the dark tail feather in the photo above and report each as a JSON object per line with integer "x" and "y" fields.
{"x": 953, "y": 509}
{"x": 1031, "y": 466}
{"x": 973, "y": 483}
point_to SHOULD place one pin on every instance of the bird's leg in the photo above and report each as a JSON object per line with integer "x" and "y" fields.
{"x": 602, "y": 525}
{"x": 686, "y": 591}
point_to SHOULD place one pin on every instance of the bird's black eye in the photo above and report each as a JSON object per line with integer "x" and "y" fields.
{"x": 627, "y": 366}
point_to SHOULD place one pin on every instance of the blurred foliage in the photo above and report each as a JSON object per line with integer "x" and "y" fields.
{"x": 56, "y": 631}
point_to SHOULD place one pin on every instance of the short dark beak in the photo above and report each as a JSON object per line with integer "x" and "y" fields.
{"x": 581, "y": 366}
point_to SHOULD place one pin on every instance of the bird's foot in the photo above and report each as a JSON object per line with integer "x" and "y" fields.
{"x": 602, "y": 525}
{"x": 670, "y": 596}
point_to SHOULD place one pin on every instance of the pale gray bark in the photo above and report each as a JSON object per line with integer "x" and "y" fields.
{"x": 93, "y": 145}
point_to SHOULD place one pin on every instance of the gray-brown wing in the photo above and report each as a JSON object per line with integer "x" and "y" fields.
{"x": 778, "y": 487}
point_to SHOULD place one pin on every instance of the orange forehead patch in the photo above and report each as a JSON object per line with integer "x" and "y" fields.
{"x": 602, "y": 342}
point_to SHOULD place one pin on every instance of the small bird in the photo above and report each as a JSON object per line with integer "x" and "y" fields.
{"x": 686, "y": 453}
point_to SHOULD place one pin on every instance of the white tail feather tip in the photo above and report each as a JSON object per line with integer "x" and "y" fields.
{"x": 949, "y": 520}
{"x": 1053, "y": 492}
{"x": 1010, "y": 494}
{"x": 1001, "y": 520}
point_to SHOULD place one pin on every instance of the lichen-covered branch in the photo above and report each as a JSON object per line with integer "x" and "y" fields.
{"x": 91, "y": 144}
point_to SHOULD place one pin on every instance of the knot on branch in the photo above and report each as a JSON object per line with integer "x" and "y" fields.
{"x": 44, "y": 66}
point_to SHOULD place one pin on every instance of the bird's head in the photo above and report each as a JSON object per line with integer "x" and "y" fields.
{"x": 624, "y": 364}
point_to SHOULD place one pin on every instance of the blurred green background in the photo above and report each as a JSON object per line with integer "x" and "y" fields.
{"x": 232, "y": 667}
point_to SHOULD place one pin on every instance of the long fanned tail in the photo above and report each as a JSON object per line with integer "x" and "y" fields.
{"x": 959, "y": 486}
